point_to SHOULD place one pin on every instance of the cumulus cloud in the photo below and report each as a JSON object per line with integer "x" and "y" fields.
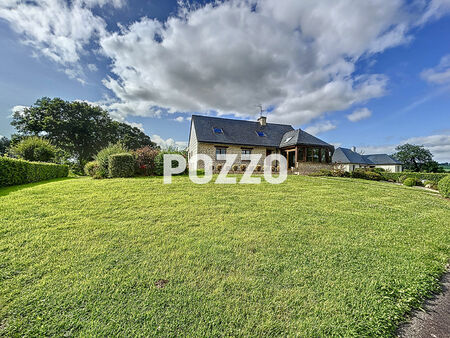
{"x": 57, "y": 29}
{"x": 168, "y": 143}
{"x": 439, "y": 145}
{"x": 298, "y": 56}
{"x": 359, "y": 114}
{"x": 320, "y": 127}
{"x": 439, "y": 74}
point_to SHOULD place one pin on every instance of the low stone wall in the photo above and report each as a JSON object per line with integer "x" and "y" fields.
{"x": 306, "y": 168}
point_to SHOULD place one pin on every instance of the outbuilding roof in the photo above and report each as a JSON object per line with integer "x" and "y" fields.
{"x": 344, "y": 155}
{"x": 300, "y": 137}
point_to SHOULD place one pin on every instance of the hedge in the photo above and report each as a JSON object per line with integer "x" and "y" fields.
{"x": 444, "y": 187}
{"x": 435, "y": 177}
{"x": 14, "y": 172}
{"x": 121, "y": 165}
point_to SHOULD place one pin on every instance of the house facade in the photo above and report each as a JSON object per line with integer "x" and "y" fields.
{"x": 217, "y": 137}
{"x": 349, "y": 160}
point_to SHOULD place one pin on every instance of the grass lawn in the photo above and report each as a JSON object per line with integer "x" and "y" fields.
{"x": 313, "y": 256}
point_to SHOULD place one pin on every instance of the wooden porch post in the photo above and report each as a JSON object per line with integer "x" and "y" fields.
{"x": 295, "y": 161}
{"x": 304, "y": 153}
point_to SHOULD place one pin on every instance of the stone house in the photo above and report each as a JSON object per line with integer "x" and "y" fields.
{"x": 217, "y": 137}
{"x": 349, "y": 160}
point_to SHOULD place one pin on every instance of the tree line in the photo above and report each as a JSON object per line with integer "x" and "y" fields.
{"x": 79, "y": 129}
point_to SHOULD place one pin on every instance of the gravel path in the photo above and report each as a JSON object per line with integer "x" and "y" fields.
{"x": 435, "y": 320}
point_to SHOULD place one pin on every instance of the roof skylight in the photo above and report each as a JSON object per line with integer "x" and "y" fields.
{"x": 261, "y": 133}
{"x": 288, "y": 139}
{"x": 218, "y": 130}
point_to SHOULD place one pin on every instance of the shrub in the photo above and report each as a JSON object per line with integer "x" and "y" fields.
{"x": 444, "y": 186}
{"x": 366, "y": 174}
{"x": 103, "y": 157}
{"x": 410, "y": 182}
{"x": 13, "y": 172}
{"x": 243, "y": 167}
{"x": 121, "y": 165}
{"x": 258, "y": 167}
{"x": 91, "y": 168}
{"x": 435, "y": 177}
{"x": 159, "y": 160}
{"x": 402, "y": 178}
{"x": 235, "y": 167}
{"x": 36, "y": 149}
{"x": 340, "y": 173}
{"x": 145, "y": 160}
{"x": 219, "y": 167}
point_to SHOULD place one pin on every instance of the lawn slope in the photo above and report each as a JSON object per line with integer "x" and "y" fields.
{"x": 312, "y": 256}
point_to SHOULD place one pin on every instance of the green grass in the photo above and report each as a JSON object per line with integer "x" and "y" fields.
{"x": 311, "y": 257}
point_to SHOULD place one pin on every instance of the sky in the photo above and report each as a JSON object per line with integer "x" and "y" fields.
{"x": 371, "y": 74}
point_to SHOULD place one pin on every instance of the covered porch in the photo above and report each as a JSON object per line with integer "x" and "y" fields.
{"x": 307, "y": 154}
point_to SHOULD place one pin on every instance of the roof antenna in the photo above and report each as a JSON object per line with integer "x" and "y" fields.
{"x": 261, "y": 110}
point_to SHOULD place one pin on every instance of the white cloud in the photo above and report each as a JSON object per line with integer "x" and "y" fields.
{"x": 168, "y": 143}
{"x": 320, "y": 127}
{"x": 439, "y": 74}
{"x": 179, "y": 119}
{"x": 56, "y": 29}
{"x": 359, "y": 114}
{"x": 439, "y": 145}
{"x": 226, "y": 57}
{"x": 139, "y": 126}
{"x": 92, "y": 67}
{"x": 298, "y": 56}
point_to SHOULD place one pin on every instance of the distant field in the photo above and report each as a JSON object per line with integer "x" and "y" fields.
{"x": 310, "y": 257}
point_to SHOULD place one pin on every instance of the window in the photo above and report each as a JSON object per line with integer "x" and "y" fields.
{"x": 261, "y": 133}
{"x": 323, "y": 155}
{"x": 309, "y": 155}
{"x": 300, "y": 153}
{"x": 245, "y": 154}
{"x": 316, "y": 152}
{"x": 218, "y": 130}
{"x": 220, "y": 153}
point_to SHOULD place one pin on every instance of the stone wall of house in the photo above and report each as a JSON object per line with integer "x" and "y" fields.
{"x": 210, "y": 150}
{"x": 306, "y": 168}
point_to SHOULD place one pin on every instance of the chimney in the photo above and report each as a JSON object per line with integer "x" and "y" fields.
{"x": 262, "y": 120}
{"x": 354, "y": 149}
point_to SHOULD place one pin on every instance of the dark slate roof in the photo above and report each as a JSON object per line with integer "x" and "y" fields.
{"x": 381, "y": 159}
{"x": 299, "y": 137}
{"x": 344, "y": 155}
{"x": 238, "y": 132}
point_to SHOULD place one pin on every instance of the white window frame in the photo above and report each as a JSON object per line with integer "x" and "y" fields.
{"x": 246, "y": 154}
{"x": 221, "y": 156}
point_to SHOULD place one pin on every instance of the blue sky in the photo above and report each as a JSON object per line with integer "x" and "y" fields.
{"x": 375, "y": 79}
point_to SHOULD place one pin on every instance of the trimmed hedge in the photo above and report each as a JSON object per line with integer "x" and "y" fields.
{"x": 14, "y": 172}
{"x": 121, "y": 165}
{"x": 444, "y": 186}
{"x": 435, "y": 177}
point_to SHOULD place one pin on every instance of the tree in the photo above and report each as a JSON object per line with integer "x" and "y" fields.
{"x": 414, "y": 157}
{"x": 35, "y": 148}
{"x": 76, "y": 127}
{"x": 4, "y": 145}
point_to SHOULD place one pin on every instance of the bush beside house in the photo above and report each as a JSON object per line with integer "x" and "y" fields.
{"x": 14, "y": 171}
{"x": 121, "y": 165}
{"x": 444, "y": 186}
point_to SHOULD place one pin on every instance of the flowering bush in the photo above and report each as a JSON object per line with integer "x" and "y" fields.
{"x": 145, "y": 160}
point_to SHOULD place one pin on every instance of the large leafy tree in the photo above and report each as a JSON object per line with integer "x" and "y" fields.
{"x": 415, "y": 158}
{"x": 4, "y": 145}
{"x": 76, "y": 127}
